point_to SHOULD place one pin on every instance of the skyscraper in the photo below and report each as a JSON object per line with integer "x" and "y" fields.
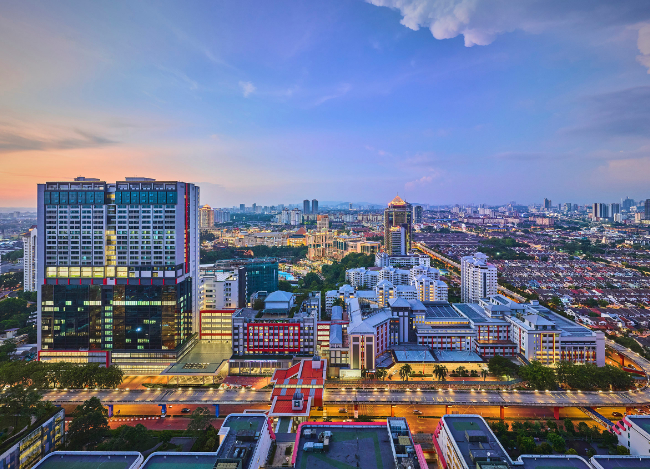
{"x": 417, "y": 214}
{"x": 478, "y": 278}
{"x": 547, "y": 204}
{"x": 647, "y": 209}
{"x": 305, "y": 207}
{"x": 627, "y": 203}
{"x": 30, "y": 259}
{"x": 242, "y": 208}
{"x": 117, "y": 271}
{"x": 206, "y": 217}
{"x": 398, "y": 218}
{"x": 314, "y": 206}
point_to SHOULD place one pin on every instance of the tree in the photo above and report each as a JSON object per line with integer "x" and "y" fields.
{"x": 552, "y": 425}
{"x": 258, "y": 304}
{"x": 545, "y": 448}
{"x": 199, "y": 420}
{"x": 128, "y": 438}
{"x": 89, "y": 425}
{"x": 571, "y": 451}
{"x": 557, "y": 442}
{"x": 527, "y": 445}
{"x": 338, "y": 302}
{"x": 568, "y": 426}
{"x": 6, "y": 350}
{"x": 501, "y": 366}
{"x": 622, "y": 450}
{"x": 18, "y": 402}
{"x": 609, "y": 438}
{"x": 538, "y": 376}
{"x": 381, "y": 373}
{"x": 284, "y": 285}
{"x": 484, "y": 373}
{"x": 440, "y": 372}
{"x": 405, "y": 371}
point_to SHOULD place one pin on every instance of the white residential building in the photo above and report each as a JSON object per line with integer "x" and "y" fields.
{"x": 382, "y": 259}
{"x": 220, "y": 290}
{"x": 29, "y": 259}
{"x": 478, "y": 278}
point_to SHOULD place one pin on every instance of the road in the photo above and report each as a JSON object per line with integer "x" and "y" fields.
{"x": 376, "y": 397}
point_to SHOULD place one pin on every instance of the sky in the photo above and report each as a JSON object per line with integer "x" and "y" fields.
{"x": 267, "y": 102}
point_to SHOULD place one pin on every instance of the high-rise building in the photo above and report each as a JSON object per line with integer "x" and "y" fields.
{"x": 478, "y": 278}
{"x": 322, "y": 223}
{"x": 417, "y": 214}
{"x": 242, "y": 208}
{"x": 314, "y": 206}
{"x": 614, "y": 209}
{"x": 30, "y": 240}
{"x": 398, "y": 220}
{"x": 600, "y": 211}
{"x": 627, "y": 203}
{"x": 261, "y": 276}
{"x": 221, "y": 216}
{"x": 206, "y": 218}
{"x": 305, "y": 207}
{"x": 117, "y": 272}
{"x": 547, "y": 204}
{"x": 647, "y": 209}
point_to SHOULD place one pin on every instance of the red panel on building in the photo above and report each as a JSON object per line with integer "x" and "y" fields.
{"x": 273, "y": 337}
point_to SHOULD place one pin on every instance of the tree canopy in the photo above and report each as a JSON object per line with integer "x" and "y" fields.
{"x": 89, "y": 425}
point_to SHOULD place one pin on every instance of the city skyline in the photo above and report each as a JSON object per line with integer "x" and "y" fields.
{"x": 442, "y": 104}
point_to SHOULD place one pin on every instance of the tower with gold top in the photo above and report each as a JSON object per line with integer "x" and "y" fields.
{"x": 398, "y": 218}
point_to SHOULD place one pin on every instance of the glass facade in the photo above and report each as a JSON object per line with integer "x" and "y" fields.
{"x": 261, "y": 277}
{"x": 116, "y": 317}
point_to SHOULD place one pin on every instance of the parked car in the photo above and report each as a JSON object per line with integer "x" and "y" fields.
{"x": 417, "y": 412}
{"x": 185, "y": 410}
{"x": 617, "y": 414}
{"x": 343, "y": 410}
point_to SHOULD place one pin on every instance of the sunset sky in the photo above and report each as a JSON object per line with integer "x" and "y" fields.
{"x": 443, "y": 101}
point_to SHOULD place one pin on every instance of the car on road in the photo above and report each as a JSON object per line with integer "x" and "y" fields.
{"x": 617, "y": 414}
{"x": 343, "y": 410}
{"x": 185, "y": 410}
{"x": 417, "y": 412}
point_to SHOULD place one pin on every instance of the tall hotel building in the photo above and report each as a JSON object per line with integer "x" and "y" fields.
{"x": 398, "y": 220}
{"x": 118, "y": 269}
{"x": 478, "y": 278}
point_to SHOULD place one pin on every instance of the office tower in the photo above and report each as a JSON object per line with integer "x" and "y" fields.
{"x": 305, "y": 207}
{"x": 614, "y": 209}
{"x": 206, "y": 218}
{"x": 600, "y": 211}
{"x": 478, "y": 278}
{"x": 117, "y": 271}
{"x": 567, "y": 207}
{"x": 261, "y": 276}
{"x": 397, "y": 227}
{"x": 647, "y": 209}
{"x": 314, "y": 206}
{"x": 296, "y": 217}
{"x": 242, "y": 208}
{"x": 547, "y": 204}
{"x": 30, "y": 240}
{"x": 627, "y": 203}
{"x": 417, "y": 214}
{"x": 322, "y": 223}
{"x": 221, "y": 216}
{"x": 350, "y": 205}
{"x": 254, "y": 208}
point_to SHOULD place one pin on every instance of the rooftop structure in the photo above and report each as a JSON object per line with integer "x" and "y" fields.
{"x": 88, "y": 459}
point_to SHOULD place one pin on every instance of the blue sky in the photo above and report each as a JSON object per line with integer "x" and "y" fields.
{"x": 443, "y": 101}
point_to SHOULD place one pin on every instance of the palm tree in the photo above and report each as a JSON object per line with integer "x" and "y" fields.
{"x": 405, "y": 371}
{"x": 484, "y": 373}
{"x": 460, "y": 370}
{"x": 381, "y": 373}
{"x": 440, "y": 371}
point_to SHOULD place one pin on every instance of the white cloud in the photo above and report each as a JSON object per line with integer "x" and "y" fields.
{"x": 342, "y": 91}
{"x": 481, "y": 21}
{"x": 644, "y": 45}
{"x": 247, "y": 88}
{"x": 424, "y": 180}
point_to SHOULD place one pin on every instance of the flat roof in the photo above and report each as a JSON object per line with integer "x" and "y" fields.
{"x": 236, "y": 423}
{"x": 414, "y": 356}
{"x": 457, "y": 356}
{"x": 85, "y": 459}
{"x": 440, "y": 310}
{"x": 612, "y": 462}
{"x": 351, "y": 447}
{"x": 460, "y": 426}
{"x": 180, "y": 460}
{"x": 642, "y": 421}
{"x": 554, "y": 462}
{"x": 204, "y": 358}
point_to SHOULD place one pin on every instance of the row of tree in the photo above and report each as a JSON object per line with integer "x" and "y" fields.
{"x": 42, "y": 375}
{"x": 586, "y": 377}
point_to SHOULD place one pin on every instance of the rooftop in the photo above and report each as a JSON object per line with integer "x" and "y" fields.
{"x": 362, "y": 446}
{"x": 472, "y": 435}
{"x": 553, "y": 462}
{"x": 612, "y": 462}
{"x": 244, "y": 432}
{"x": 440, "y": 309}
{"x": 95, "y": 459}
{"x": 164, "y": 460}
{"x": 457, "y": 356}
